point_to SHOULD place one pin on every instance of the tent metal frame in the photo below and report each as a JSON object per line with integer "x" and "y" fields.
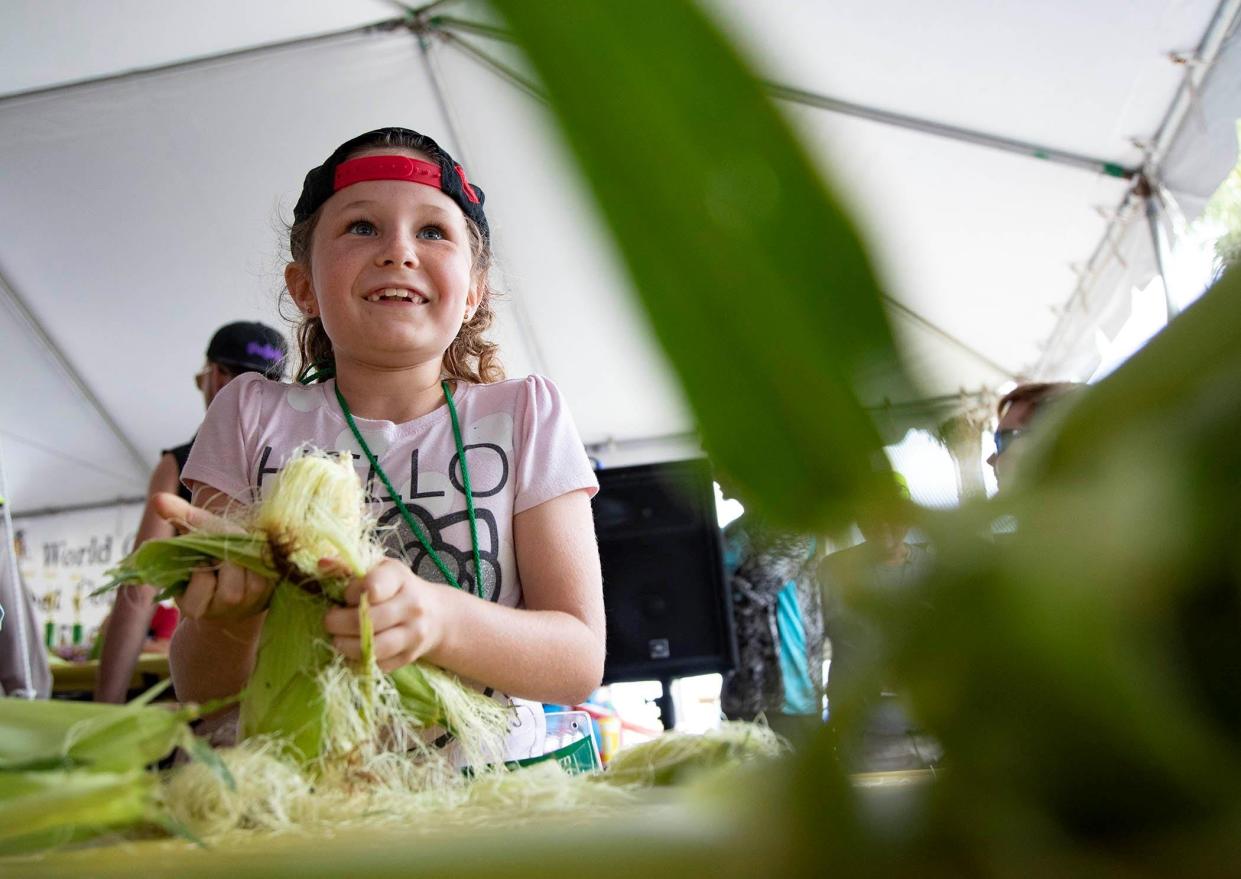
{"x": 40, "y": 512}
{"x": 525, "y": 327}
{"x": 383, "y": 26}
{"x": 420, "y": 22}
{"x": 514, "y": 78}
{"x": 39, "y": 333}
{"x": 1148, "y": 184}
{"x": 447, "y": 25}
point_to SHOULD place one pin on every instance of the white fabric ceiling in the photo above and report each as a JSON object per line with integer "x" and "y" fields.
{"x": 139, "y": 213}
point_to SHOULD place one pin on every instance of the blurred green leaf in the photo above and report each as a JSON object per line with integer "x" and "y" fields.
{"x": 1147, "y": 388}
{"x": 755, "y": 281}
{"x": 1084, "y": 672}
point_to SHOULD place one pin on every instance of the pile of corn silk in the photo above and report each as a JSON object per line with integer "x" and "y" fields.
{"x": 323, "y": 743}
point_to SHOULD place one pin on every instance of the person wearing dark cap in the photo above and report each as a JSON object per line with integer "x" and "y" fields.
{"x": 235, "y": 349}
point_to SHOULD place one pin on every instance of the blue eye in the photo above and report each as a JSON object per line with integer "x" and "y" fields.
{"x": 432, "y": 233}
{"x": 361, "y": 227}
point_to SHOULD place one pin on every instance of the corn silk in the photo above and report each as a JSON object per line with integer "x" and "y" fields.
{"x": 323, "y": 711}
{"x": 324, "y": 744}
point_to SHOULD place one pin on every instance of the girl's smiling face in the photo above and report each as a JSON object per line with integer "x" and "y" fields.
{"x": 390, "y": 271}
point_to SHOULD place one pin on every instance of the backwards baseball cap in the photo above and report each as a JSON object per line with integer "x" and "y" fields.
{"x": 249, "y": 347}
{"x": 339, "y": 171}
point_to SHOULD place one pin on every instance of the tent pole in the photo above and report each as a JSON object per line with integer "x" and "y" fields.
{"x": 514, "y": 78}
{"x": 441, "y": 100}
{"x": 525, "y": 326}
{"x": 951, "y": 132}
{"x": 79, "y": 508}
{"x": 424, "y": 8}
{"x": 14, "y": 601}
{"x": 1150, "y": 198}
{"x": 26, "y": 316}
{"x": 1222, "y": 24}
{"x": 505, "y": 72}
{"x": 1198, "y": 67}
{"x": 908, "y": 312}
{"x": 237, "y": 54}
{"x": 446, "y": 24}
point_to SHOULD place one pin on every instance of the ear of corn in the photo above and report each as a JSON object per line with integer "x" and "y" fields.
{"x": 37, "y": 734}
{"x": 673, "y": 757}
{"x": 283, "y": 697}
{"x": 72, "y": 770}
{"x": 44, "y": 809}
{"x": 315, "y": 510}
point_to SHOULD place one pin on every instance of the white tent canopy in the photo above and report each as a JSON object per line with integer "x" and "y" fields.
{"x": 149, "y": 152}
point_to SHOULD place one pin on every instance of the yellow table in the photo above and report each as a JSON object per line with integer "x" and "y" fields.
{"x": 79, "y": 677}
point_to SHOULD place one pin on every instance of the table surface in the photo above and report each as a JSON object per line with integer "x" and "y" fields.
{"x": 79, "y": 677}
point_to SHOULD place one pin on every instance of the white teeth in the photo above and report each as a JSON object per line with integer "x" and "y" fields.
{"x": 397, "y": 293}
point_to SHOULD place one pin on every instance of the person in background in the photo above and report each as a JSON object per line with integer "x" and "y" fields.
{"x": 234, "y": 350}
{"x": 1016, "y": 412}
{"x": 779, "y": 628}
{"x": 883, "y": 565}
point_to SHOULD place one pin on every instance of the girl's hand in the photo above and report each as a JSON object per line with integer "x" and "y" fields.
{"x": 220, "y": 592}
{"x": 406, "y": 611}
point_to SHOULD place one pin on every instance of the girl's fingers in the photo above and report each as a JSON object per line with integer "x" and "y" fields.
{"x": 257, "y": 592}
{"x": 198, "y": 592}
{"x": 184, "y": 516}
{"x": 333, "y": 568}
{"x": 224, "y": 591}
{"x": 393, "y": 648}
{"x": 392, "y": 663}
{"x": 346, "y": 620}
{"x": 350, "y": 648}
{"x": 229, "y": 588}
{"x": 383, "y": 582}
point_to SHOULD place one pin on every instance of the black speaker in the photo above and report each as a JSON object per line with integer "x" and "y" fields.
{"x": 667, "y": 602}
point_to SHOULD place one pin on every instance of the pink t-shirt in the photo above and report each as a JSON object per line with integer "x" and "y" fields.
{"x": 521, "y": 447}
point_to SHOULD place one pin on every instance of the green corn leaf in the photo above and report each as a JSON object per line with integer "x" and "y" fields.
{"x": 417, "y": 695}
{"x": 167, "y": 564}
{"x": 755, "y": 281}
{"x": 1199, "y": 345}
{"x": 43, "y": 809}
{"x": 42, "y": 733}
{"x": 283, "y": 697}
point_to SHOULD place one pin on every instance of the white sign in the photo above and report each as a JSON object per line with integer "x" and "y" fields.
{"x": 63, "y": 558}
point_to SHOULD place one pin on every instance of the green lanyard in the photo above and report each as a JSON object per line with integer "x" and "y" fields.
{"x": 404, "y": 510}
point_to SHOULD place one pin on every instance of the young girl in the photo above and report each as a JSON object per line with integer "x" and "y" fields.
{"x": 493, "y": 572}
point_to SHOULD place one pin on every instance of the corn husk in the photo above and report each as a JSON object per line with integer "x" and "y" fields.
{"x": 44, "y": 809}
{"x": 674, "y": 758}
{"x": 73, "y": 770}
{"x": 299, "y": 693}
{"x": 167, "y": 564}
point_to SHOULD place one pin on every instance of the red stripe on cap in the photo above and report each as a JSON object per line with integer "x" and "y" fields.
{"x": 386, "y": 168}
{"x": 465, "y": 184}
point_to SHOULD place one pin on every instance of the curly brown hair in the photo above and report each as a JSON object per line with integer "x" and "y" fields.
{"x": 470, "y": 357}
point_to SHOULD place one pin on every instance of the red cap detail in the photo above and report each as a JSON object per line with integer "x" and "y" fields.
{"x": 387, "y": 168}
{"x": 465, "y": 184}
